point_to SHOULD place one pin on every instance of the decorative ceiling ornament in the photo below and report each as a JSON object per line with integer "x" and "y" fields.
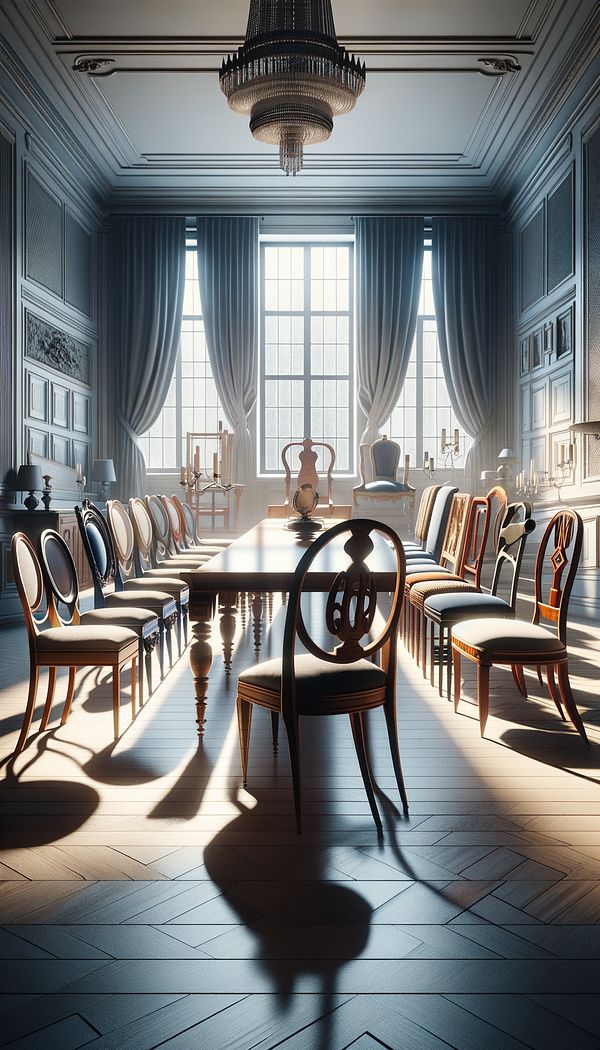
{"x": 291, "y": 76}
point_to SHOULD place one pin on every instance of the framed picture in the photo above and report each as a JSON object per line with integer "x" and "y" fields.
{"x": 564, "y": 333}
{"x": 548, "y": 337}
{"x": 524, "y": 356}
{"x": 537, "y": 351}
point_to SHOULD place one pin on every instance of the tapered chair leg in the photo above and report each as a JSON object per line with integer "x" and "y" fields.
{"x": 568, "y": 700}
{"x": 483, "y": 694}
{"x": 133, "y": 686}
{"x": 141, "y": 667}
{"x": 392, "y": 729}
{"x": 456, "y": 673}
{"x": 178, "y": 631}
{"x": 356, "y": 722}
{"x": 292, "y": 729}
{"x": 185, "y": 626}
{"x": 275, "y": 730}
{"x": 432, "y": 653}
{"x": 423, "y": 636}
{"x": 169, "y": 642}
{"x": 554, "y": 693}
{"x": 244, "y": 713}
{"x": 519, "y": 677}
{"x": 33, "y": 684}
{"x": 70, "y": 695}
{"x": 116, "y": 698}
{"x": 161, "y": 649}
{"x": 49, "y": 698}
{"x": 148, "y": 661}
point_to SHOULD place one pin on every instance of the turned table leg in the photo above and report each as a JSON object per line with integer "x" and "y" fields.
{"x": 227, "y": 613}
{"x": 200, "y": 653}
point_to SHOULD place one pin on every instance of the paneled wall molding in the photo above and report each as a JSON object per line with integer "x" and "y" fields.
{"x": 41, "y": 118}
{"x": 61, "y": 312}
{"x": 550, "y": 304}
{"x": 552, "y": 168}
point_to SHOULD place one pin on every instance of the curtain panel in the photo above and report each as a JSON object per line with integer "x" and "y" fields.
{"x": 464, "y": 272}
{"x": 228, "y": 276}
{"x": 147, "y": 286}
{"x": 389, "y": 264}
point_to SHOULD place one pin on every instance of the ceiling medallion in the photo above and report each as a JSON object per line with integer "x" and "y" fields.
{"x": 291, "y": 76}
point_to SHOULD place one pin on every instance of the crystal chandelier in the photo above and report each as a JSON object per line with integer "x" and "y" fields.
{"x": 291, "y": 76}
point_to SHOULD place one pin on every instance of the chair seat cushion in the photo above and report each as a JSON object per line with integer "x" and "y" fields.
{"x": 496, "y": 635}
{"x": 419, "y": 592}
{"x": 461, "y": 605}
{"x": 159, "y": 602}
{"x": 317, "y": 679}
{"x": 385, "y": 488}
{"x": 204, "y": 550}
{"x": 425, "y": 573}
{"x": 176, "y": 588}
{"x": 133, "y": 617}
{"x": 177, "y": 564}
{"x": 86, "y": 639}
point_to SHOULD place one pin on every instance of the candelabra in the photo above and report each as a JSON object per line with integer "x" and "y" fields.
{"x": 564, "y": 468}
{"x": 191, "y": 481}
{"x": 526, "y": 485}
{"x": 450, "y": 451}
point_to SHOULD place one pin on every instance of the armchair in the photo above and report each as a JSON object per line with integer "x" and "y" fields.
{"x": 384, "y": 496}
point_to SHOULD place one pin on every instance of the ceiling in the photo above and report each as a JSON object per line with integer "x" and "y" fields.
{"x": 455, "y": 93}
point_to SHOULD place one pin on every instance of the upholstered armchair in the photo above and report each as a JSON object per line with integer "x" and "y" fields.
{"x": 384, "y": 497}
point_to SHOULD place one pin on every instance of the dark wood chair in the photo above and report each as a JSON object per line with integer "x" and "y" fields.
{"x": 443, "y": 611}
{"x": 58, "y": 645}
{"x": 342, "y": 679}
{"x": 99, "y": 551}
{"x": 521, "y": 644}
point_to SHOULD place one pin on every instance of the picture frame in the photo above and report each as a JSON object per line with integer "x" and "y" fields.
{"x": 565, "y": 332}
{"x": 525, "y": 356}
{"x": 537, "y": 348}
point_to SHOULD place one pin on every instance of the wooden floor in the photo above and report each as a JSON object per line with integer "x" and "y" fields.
{"x": 149, "y": 901}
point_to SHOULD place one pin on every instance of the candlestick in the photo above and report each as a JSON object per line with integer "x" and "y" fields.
{"x": 531, "y": 470}
{"x": 197, "y": 459}
{"x": 182, "y": 475}
{"x": 456, "y": 440}
{"x": 78, "y": 472}
{"x": 216, "y": 464}
{"x": 426, "y": 461}
{"x": 443, "y": 439}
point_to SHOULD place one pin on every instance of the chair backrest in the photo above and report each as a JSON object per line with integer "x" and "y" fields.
{"x": 174, "y": 523}
{"x": 385, "y": 456}
{"x": 98, "y": 548}
{"x": 478, "y": 526}
{"x": 516, "y": 527}
{"x": 28, "y": 576}
{"x": 565, "y": 531}
{"x": 143, "y": 532}
{"x": 187, "y": 519}
{"x": 307, "y": 474}
{"x": 61, "y": 577}
{"x": 452, "y": 554}
{"x": 424, "y": 512}
{"x": 123, "y": 538}
{"x": 498, "y": 503}
{"x": 351, "y": 604}
{"x": 438, "y": 520}
{"x": 161, "y": 528}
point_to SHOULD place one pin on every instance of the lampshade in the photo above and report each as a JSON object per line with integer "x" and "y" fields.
{"x": 506, "y": 453}
{"x": 589, "y": 427}
{"x": 103, "y": 470}
{"x": 29, "y": 478}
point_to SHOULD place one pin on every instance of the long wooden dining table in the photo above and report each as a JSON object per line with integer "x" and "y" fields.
{"x": 261, "y": 561}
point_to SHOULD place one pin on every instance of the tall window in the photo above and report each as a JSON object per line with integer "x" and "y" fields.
{"x": 192, "y": 402}
{"x": 307, "y": 378}
{"x": 424, "y": 407}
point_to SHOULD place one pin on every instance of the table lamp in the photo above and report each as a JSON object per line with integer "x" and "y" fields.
{"x": 103, "y": 471}
{"x": 29, "y": 479}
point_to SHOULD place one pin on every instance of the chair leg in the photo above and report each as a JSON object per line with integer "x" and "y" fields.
{"x": 49, "y": 698}
{"x": 148, "y": 659}
{"x": 169, "y": 642}
{"x": 456, "y": 673}
{"x": 161, "y": 649}
{"x": 244, "y": 713}
{"x": 178, "y": 629}
{"x": 423, "y": 634}
{"x": 134, "y": 685}
{"x": 392, "y": 728}
{"x": 519, "y": 677}
{"x": 432, "y": 652}
{"x": 568, "y": 700}
{"x": 553, "y": 690}
{"x": 483, "y": 694}
{"x": 292, "y": 729}
{"x": 116, "y": 697}
{"x": 275, "y": 730}
{"x": 70, "y": 695}
{"x": 141, "y": 668}
{"x": 33, "y": 684}
{"x": 448, "y": 644}
{"x": 185, "y": 615}
{"x": 361, "y": 753}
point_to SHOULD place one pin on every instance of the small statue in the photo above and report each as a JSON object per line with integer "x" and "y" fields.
{"x": 47, "y": 491}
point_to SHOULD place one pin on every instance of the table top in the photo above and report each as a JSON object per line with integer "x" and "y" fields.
{"x": 265, "y": 559}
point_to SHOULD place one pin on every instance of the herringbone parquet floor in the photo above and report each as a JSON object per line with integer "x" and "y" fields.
{"x": 147, "y": 901}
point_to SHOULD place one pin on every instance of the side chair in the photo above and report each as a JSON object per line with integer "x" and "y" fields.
{"x": 342, "y": 678}
{"x": 187, "y": 530}
{"x": 70, "y": 646}
{"x": 99, "y": 551}
{"x": 447, "y": 609}
{"x": 521, "y": 644}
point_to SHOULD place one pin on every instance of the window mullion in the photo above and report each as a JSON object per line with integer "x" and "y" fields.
{"x": 307, "y": 340}
{"x": 419, "y": 393}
